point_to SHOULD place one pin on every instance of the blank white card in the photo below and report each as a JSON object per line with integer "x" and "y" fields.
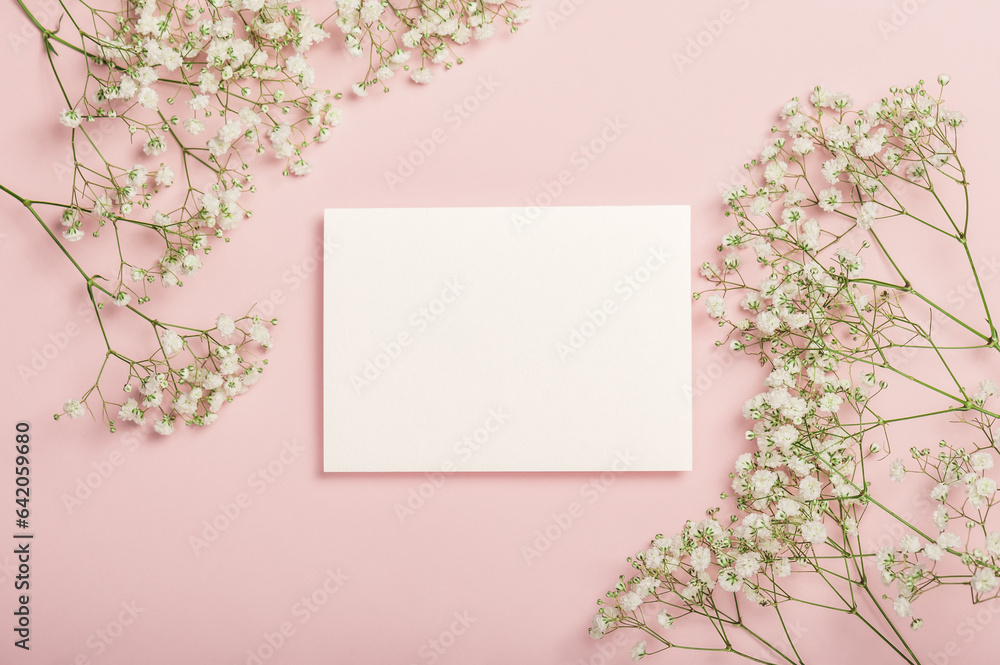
{"x": 507, "y": 339}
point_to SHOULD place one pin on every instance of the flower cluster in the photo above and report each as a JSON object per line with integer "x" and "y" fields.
{"x": 189, "y": 377}
{"x": 200, "y": 87}
{"x": 415, "y": 36}
{"x": 811, "y": 286}
{"x": 173, "y": 108}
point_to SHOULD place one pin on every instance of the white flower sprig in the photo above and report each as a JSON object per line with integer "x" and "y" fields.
{"x": 392, "y": 32}
{"x": 172, "y": 109}
{"x": 816, "y": 285}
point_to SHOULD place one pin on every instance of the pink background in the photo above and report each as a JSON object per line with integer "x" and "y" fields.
{"x": 575, "y": 66}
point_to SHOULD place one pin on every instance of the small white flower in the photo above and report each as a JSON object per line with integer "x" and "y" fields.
{"x": 225, "y": 324}
{"x": 164, "y": 426}
{"x": 171, "y": 342}
{"x": 148, "y": 98}
{"x": 716, "y": 306}
{"x": 993, "y": 543}
{"x": 830, "y": 199}
{"x": 70, "y": 118}
{"x": 984, "y": 580}
{"x": 866, "y": 216}
{"x": 809, "y": 488}
{"x": 814, "y": 532}
{"x": 909, "y": 543}
{"x": 300, "y": 167}
{"x": 130, "y": 412}
{"x": 155, "y": 145}
{"x": 949, "y": 540}
{"x": 629, "y": 601}
{"x": 897, "y": 471}
{"x": 421, "y": 75}
{"x": 73, "y": 409}
{"x": 701, "y": 557}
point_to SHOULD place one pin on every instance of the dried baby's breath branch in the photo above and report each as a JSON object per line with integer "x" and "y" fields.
{"x": 171, "y": 106}
{"x": 832, "y": 307}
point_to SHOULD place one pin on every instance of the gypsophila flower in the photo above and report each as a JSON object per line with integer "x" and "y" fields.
{"x": 73, "y": 409}
{"x": 171, "y": 342}
{"x": 716, "y": 306}
{"x": 70, "y": 118}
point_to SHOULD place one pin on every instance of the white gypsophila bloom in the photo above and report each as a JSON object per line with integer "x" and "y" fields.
{"x": 993, "y": 543}
{"x": 897, "y": 471}
{"x": 747, "y": 564}
{"x": 902, "y": 607}
{"x": 830, "y": 199}
{"x": 949, "y": 540}
{"x": 789, "y": 507}
{"x": 664, "y": 619}
{"x": 866, "y": 215}
{"x": 73, "y": 408}
{"x": 300, "y": 167}
{"x": 130, "y": 412}
{"x": 940, "y": 517}
{"x": 164, "y": 426}
{"x": 981, "y": 491}
{"x": 421, "y": 75}
{"x": 148, "y": 98}
{"x": 260, "y": 334}
{"x": 701, "y": 557}
{"x": 164, "y": 176}
{"x": 851, "y": 262}
{"x": 638, "y": 651}
{"x": 940, "y": 492}
{"x": 629, "y": 601}
{"x": 171, "y": 342}
{"x": 810, "y": 488}
{"x": 984, "y": 581}
{"x": 225, "y": 324}
{"x": 484, "y": 32}
{"x": 761, "y": 483}
{"x": 768, "y": 322}
{"x": 909, "y": 543}
{"x": 730, "y": 581}
{"x": 933, "y": 551}
{"x": 154, "y": 146}
{"x": 194, "y": 126}
{"x": 716, "y": 307}
{"x": 981, "y": 461}
{"x": 233, "y": 386}
{"x": 814, "y": 532}
{"x": 70, "y": 118}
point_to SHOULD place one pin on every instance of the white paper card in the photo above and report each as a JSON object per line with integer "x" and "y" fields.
{"x": 506, "y": 339}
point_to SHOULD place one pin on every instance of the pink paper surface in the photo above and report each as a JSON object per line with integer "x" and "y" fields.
{"x": 430, "y": 570}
